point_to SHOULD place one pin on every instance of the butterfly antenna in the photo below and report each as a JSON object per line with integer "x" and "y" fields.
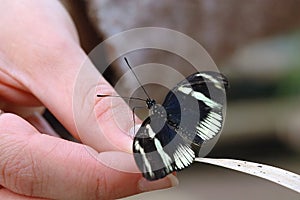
{"x": 129, "y": 98}
{"x": 136, "y": 78}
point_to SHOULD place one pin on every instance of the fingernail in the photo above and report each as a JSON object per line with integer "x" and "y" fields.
{"x": 169, "y": 181}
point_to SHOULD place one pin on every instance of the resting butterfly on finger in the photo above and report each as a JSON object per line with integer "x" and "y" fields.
{"x": 171, "y": 137}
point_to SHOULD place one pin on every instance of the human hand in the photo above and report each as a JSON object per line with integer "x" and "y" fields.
{"x": 40, "y": 58}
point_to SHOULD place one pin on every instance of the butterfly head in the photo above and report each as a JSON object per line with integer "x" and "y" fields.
{"x": 150, "y": 103}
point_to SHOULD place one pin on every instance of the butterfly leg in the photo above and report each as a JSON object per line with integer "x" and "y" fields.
{"x": 133, "y": 115}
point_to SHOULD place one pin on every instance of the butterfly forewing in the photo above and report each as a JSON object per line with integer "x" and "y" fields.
{"x": 196, "y": 105}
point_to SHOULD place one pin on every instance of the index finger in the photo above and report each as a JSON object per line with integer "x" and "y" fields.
{"x": 68, "y": 87}
{"x": 100, "y": 120}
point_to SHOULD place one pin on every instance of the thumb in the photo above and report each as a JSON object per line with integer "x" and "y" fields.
{"x": 39, "y": 165}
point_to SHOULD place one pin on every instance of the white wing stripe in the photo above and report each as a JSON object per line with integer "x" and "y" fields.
{"x": 214, "y": 121}
{"x": 199, "y": 96}
{"x": 205, "y": 133}
{"x": 185, "y": 90}
{"x": 146, "y": 161}
{"x": 183, "y": 156}
{"x": 207, "y": 101}
{"x": 151, "y": 133}
{"x": 164, "y": 156}
{"x": 178, "y": 162}
{"x": 190, "y": 151}
{"x": 211, "y": 126}
{"x": 212, "y": 79}
{"x": 216, "y": 116}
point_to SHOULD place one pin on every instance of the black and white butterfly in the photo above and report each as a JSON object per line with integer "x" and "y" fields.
{"x": 172, "y": 135}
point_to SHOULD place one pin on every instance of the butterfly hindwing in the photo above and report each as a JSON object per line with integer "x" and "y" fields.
{"x": 160, "y": 152}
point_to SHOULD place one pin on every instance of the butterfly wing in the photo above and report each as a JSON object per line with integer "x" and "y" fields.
{"x": 158, "y": 150}
{"x": 195, "y": 107}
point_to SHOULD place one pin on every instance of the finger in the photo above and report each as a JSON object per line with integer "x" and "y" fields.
{"x": 102, "y": 123}
{"x": 38, "y": 165}
{"x": 54, "y": 75}
{"x": 25, "y": 74}
{"x": 70, "y": 96}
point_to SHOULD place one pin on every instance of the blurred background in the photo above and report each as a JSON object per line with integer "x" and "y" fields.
{"x": 256, "y": 44}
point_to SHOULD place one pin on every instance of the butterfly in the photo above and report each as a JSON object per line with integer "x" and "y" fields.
{"x": 171, "y": 137}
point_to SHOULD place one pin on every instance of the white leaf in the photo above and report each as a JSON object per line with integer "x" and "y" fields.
{"x": 282, "y": 177}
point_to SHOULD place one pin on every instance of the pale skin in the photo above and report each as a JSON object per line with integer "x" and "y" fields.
{"x": 40, "y": 56}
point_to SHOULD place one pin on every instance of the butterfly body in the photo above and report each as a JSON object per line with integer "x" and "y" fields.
{"x": 171, "y": 136}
